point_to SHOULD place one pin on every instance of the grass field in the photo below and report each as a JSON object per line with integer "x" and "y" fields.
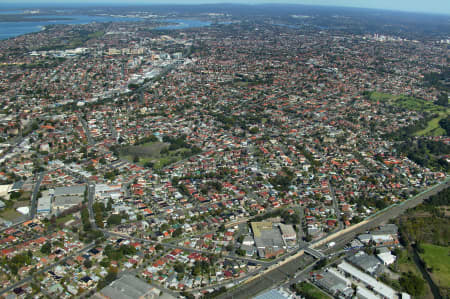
{"x": 437, "y": 258}
{"x": 406, "y": 264}
{"x": 410, "y": 103}
{"x": 151, "y": 152}
{"x": 311, "y": 291}
{"x": 433, "y": 128}
{"x": 150, "y": 149}
{"x": 405, "y": 102}
{"x": 10, "y": 214}
{"x": 64, "y": 219}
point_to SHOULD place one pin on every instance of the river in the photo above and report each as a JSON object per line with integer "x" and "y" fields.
{"x": 13, "y": 29}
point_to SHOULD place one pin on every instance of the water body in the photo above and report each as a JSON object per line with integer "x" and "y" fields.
{"x": 182, "y": 24}
{"x": 13, "y": 29}
{"x": 10, "y": 12}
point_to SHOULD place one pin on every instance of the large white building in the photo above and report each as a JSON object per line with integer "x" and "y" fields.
{"x": 377, "y": 287}
{"x": 44, "y": 205}
{"x": 288, "y": 232}
{"x": 103, "y": 191}
{"x": 70, "y": 191}
{"x": 61, "y": 203}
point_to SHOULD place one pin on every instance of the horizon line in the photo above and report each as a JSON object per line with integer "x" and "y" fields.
{"x": 103, "y": 3}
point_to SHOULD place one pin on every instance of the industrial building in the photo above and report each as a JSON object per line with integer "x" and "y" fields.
{"x": 268, "y": 239}
{"x": 377, "y": 287}
{"x": 334, "y": 282}
{"x": 128, "y": 287}
{"x": 367, "y": 263}
{"x": 44, "y": 205}
{"x": 61, "y": 203}
{"x": 288, "y": 232}
{"x": 70, "y": 191}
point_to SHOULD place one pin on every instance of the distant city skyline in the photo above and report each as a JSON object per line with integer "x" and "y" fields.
{"x": 431, "y": 6}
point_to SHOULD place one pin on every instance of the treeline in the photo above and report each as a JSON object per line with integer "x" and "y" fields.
{"x": 445, "y": 124}
{"x": 180, "y": 142}
{"x": 442, "y": 99}
{"x": 88, "y": 234}
{"x": 408, "y": 131}
{"x": 427, "y": 223}
{"x": 18, "y": 261}
{"x": 288, "y": 218}
{"x": 308, "y": 155}
{"x": 438, "y": 80}
{"x": 440, "y": 199}
{"x": 379, "y": 203}
{"x": 426, "y": 153}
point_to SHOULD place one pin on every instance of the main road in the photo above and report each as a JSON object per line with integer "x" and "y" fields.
{"x": 33, "y": 208}
{"x": 87, "y": 132}
{"x": 90, "y": 195}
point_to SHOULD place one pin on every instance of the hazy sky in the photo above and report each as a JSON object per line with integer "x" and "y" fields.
{"x": 433, "y": 6}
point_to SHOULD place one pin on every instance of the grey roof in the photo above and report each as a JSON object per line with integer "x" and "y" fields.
{"x": 248, "y": 239}
{"x": 383, "y": 249}
{"x": 287, "y": 229}
{"x": 67, "y": 200}
{"x": 366, "y": 262}
{"x": 129, "y": 287}
{"x": 390, "y": 229}
{"x": 331, "y": 282}
{"x": 272, "y": 294}
{"x": 270, "y": 238}
{"x": 248, "y": 248}
{"x": 363, "y": 237}
{"x": 72, "y": 190}
{"x": 44, "y": 204}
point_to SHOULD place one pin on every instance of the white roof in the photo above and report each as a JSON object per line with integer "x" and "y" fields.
{"x": 23, "y": 210}
{"x": 386, "y": 257}
{"x": 44, "y": 203}
{"x": 364, "y": 293}
{"x": 340, "y": 276}
{"x": 378, "y": 287}
{"x": 4, "y": 189}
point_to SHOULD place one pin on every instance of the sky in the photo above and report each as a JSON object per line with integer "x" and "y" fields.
{"x": 428, "y": 6}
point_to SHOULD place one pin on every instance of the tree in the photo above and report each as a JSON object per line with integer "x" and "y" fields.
{"x": 109, "y": 204}
{"x": 105, "y": 263}
{"x": 114, "y": 219}
{"x": 412, "y": 284}
{"x": 320, "y": 264}
{"x": 177, "y": 232}
{"x": 442, "y": 99}
{"x": 179, "y": 267}
{"x": 87, "y": 263}
{"x": 15, "y": 195}
{"x": 445, "y": 124}
{"x": 110, "y": 277}
{"x": 46, "y": 248}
